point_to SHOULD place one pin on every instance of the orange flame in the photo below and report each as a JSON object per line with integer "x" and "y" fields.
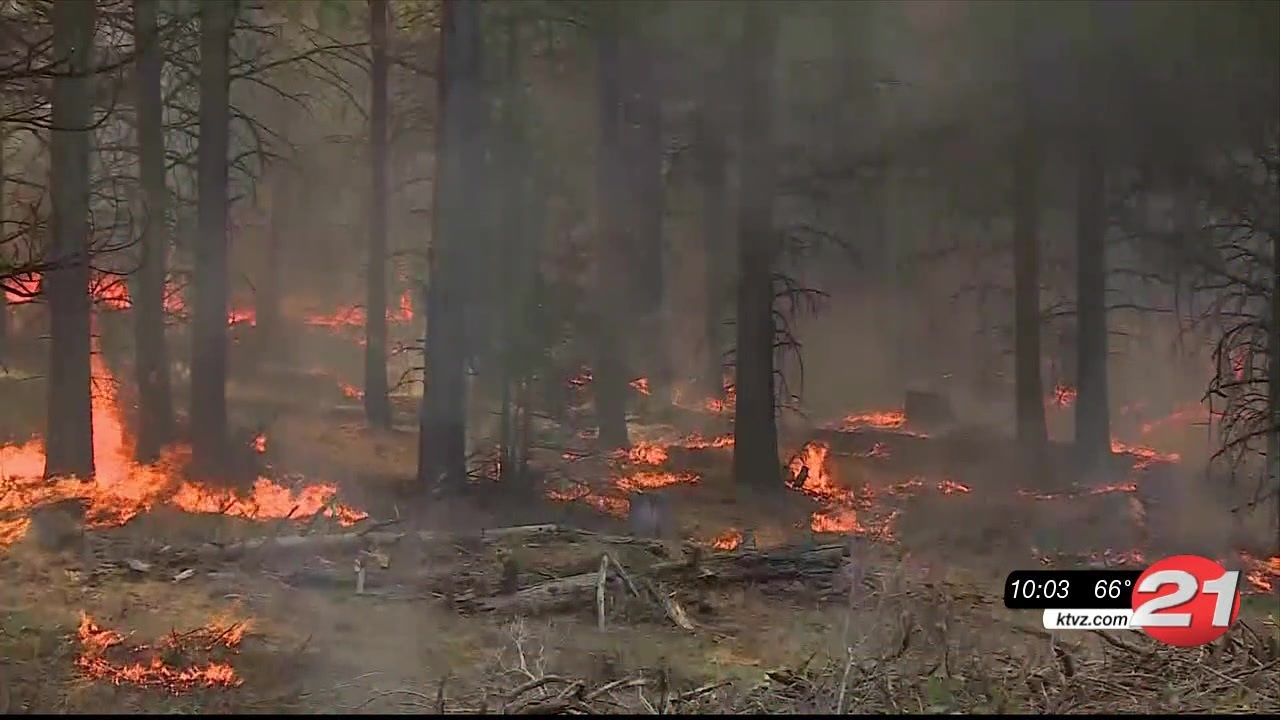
{"x": 1064, "y": 396}
{"x": 95, "y": 642}
{"x": 727, "y": 540}
{"x": 880, "y": 420}
{"x": 123, "y": 488}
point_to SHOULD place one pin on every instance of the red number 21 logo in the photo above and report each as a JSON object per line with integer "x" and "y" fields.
{"x": 1186, "y": 600}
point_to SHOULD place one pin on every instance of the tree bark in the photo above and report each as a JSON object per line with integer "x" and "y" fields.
{"x": 1032, "y": 432}
{"x": 209, "y": 324}
{"x": 1273, "y": 383}
{"x": 69, "y": 436}
{"x": 377, "y": 407}
{"x": 643, "y": 150}
{"x": 609, "y": 381}
{"x": 1093, "y": 428}
{"x": 755, "y": 450}
{"x": 712, "y": 158}
{"x": 151, "y": 355}
{"x": 4, "y": 233}
{"x": 442, "y": 442}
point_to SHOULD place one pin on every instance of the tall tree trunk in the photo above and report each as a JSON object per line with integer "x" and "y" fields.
{"x": 609, "y": 381}
{"x": 69, "y": 437}
{"x": 643, "y": 150}
{"x": 442, "y": 446}
{"x": 712, "y": 159}
{"x": 4, "y": 234}
{"x": 151, "y": 355}
{"x": 1093, "y": 422}
{"x": 377, "y": 407}
{"x": 1273, "y": 381}
{"x": 209, "y": 324}
{"x": 755, "y": 450}
{"x": 1032, "y": 431}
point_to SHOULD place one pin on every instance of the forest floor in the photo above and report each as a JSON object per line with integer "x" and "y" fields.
{"x": 481, "y": 605}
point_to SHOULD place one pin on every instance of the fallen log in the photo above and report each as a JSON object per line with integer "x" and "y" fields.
{"x": 332, "y": 541}
{"x": 715, "y": 568}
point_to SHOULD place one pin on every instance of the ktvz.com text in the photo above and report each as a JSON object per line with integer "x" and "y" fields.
{"x": 1112, "y": 619}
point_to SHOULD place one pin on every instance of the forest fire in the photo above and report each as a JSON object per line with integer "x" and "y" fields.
{"x": 123, "y": 488}
{"x": 100, "y": 647}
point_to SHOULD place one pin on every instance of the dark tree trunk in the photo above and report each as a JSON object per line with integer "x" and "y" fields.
{"x": 1032, "y": 431}
{"x": 712, "y": 159}
{"x": 442, "y": 447}
{"x": 609, "y": 381}
{"x": 69, "y": 436}
{"x": 643, "y": 150}
{"x": 1093, "y": 429}
{"x": 377, "y": 407}
{"x": 4, "y": 233}
{"x": 151, "y": 356}
{"x": 1273, "y": 379}
{"x": 209, "y": 322}
{"x": 755, "y": 450}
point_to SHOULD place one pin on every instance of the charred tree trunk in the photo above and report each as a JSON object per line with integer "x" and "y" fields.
{"x": 1032, "y": 432}
{"x": 609, "y": 381}
{"x": 151, "y": 355}
{"x": 755, "y": 450}
{"x": 712, "y": 159}
{"x": 4, "y": 234}
{"x": 209, "y": 322}
{"x": 442, "y": 446}
{"x": 69, "y": 437}
{"x": 643, "y": 153}
{"x": 1093, "y": 422}
{"x": 1273, "y": 380}
{"x": 377, "y": 407}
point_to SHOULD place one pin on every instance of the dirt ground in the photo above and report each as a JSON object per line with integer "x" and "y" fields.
{"x": 173, "y": 612}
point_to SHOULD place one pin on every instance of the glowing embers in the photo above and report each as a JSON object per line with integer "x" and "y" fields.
{"x": 178, "y": 662}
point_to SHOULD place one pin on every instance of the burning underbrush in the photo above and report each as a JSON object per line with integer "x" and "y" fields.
{"x": 873, "y": 475}
{"x": 176, "y": 662}
{"x": 122, "y": 488}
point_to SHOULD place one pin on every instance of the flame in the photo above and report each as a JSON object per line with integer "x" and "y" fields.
{"x": 951, "y": 487}
{"x": 1064, "y": 396}
{"x": 95, "y": 643}
{"x": 643, "y": 453}
{"x": 352, "y": 391}
{"x": 1263, "y": 575}
{"x": 640, "y": 385}
{"x": 1145, "y": 456}
{"x": 880, "y": 420}
{"x": 122, "y": 488}
{"x": 246, "y": 316}
{"x": 260, "y": 443}
{"x": 727, "y": 540}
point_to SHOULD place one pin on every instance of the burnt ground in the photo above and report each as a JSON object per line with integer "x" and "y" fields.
{"x": 910, "y": 622}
